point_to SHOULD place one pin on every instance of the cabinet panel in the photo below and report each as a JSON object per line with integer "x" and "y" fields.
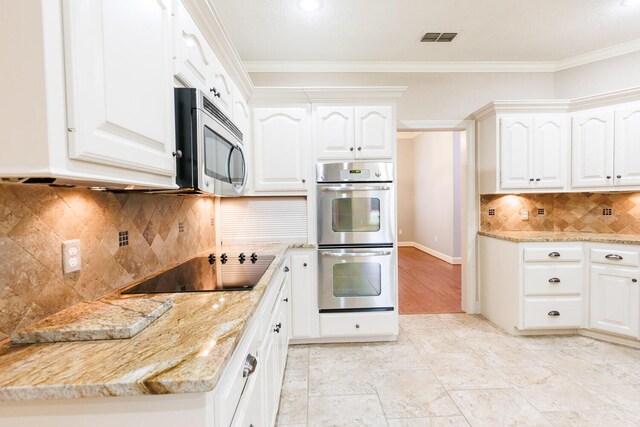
{"x": 280, "y": 137}
{"x": 334, "y": 132}
{"x": 304, "y": 297}
{"x": 592, "y": 149}
{"x": 222, "y": 89}
{"x": 627, "y": 146}
{"x": 615, "y": 300}
{"x": 554, "y": 313}
{"x": 193, "y": 57}
{"x": 553, "y": 253}
{"x": 556, "y": 279}
{"x": 516, "y": 152}
{"x": 374, "y": 133}
{"x": 118, "y": 56}
{"x": 358, "y": 324}
{"x": 549, "y": 148}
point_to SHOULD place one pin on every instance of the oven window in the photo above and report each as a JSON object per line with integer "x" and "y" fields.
{"x": 356, "y": 214}
{"x": 357, "y": 279}
{"x": 216, "y": 154}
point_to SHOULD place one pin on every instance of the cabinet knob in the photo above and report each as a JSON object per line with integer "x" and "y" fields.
{"x": 359, "y": 148}
{"x": 634, "y": 280}
{"x": 554, "y": 313}
{"x": 618, "y": 176}
{"x": 305, "y": 264}
{"x": 350, "y": 148}
{"x": 537, "y": 179}
{"x": 357, "y": 326}
{"x": 286, "y": 269}
{"x": 531, "y": 179}
{"x": 304, "y": 180}
{"x": 286, "y": 300}
{"x": 608, "y": 176}
{"x": 177, "y": 154}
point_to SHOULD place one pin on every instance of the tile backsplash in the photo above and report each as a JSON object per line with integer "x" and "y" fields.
{"x": 585, "y": 212}
{"x": 124, "y": 237}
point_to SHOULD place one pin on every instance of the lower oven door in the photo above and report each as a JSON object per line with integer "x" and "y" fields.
{"x": 357, "y": 279}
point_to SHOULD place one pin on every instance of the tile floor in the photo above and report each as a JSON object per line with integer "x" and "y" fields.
{"x": 459, "y": 370}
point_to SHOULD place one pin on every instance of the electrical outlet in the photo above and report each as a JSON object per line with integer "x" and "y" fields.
{"x": 525, "y": 214}
{"x": 400, "y": 232}
{"x": 71, "y": 256}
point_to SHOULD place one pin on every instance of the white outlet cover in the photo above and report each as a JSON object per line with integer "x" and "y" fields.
{"x": 71, "y": 256}
{"x": 525, "y": 214}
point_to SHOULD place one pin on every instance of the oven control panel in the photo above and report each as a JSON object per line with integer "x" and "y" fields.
{"x": 355, "y": 174}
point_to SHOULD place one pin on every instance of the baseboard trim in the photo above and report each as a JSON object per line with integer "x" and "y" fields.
{"x": 432, "y": 252}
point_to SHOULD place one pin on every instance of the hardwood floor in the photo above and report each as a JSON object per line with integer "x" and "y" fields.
{"x": 427, "y": 284}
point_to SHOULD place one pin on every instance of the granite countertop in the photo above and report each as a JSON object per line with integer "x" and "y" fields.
{"x": 562, "y": 236}
{"x": 184, "y": 351}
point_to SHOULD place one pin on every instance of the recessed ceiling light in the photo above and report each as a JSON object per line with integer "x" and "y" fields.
{"x": 630, "y": 2}
{"x": 309, "y": 5}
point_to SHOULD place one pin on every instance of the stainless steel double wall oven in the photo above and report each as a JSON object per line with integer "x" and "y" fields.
{"x": 356, "y": 234}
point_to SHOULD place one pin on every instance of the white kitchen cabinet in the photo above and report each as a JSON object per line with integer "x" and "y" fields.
{"x": 348, "y": 132}
{"x": 375, "y": 132}
{"x": 592, "y": 137}
{"x": 627, "y": 146}
{"x": 193, "y": 63}
{"x": 516, "y": 152}
{"x": 119, "y": 88}
{"x": 280, "y": 142}
{"x": 241, "y": 114}
{"x": 550, "y": 143}
{"x": 334, "y": 132}
{"x": 222, "y": 89}
{"x": 615, "y": 299}
{"x": 304, "y": 295}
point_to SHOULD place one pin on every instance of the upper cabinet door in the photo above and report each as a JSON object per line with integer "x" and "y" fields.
{"x": 119, "y": 67}
{"x": 193, "y": 64}
{"x": 375, "y": 132}
{"x": 627, "y": 146}
{"x": 241, "y": 114}
{"x": 334, "y": 132}
{"x": 516, "y": 152}
{"x": 281, "y": 137}
{"x": 222, "y": 89}
{"x": 550, "y": 142}
{"x": 592, "y": 149}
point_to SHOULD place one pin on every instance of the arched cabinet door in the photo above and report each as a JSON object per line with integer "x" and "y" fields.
{"x": 334, "y": 132}
{"x": 375, "y": 132}
{"x": 281, "y": 137}
{"x": 627, "y": 147}
{"x": 222, "y": 89}
{"x": 516, "y": 152}
{"x": 550, "y": 142}
{"x": 194, "y": 59}
{"x": 592, "y": 149}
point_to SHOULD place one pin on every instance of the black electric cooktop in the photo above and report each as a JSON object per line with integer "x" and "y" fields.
{"x": 207, "y": 274}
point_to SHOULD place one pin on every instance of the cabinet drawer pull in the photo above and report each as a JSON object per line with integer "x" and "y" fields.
{"x": 614, "y": 257}
{"x": 554, "y": 280}
{"x": 250, "y": 364}
{"x": 554, "y": 313}
{"x": 634, "y": 280}
{"x": 554, "y": 255}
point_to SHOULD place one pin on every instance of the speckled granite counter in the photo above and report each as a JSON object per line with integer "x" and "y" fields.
{"x": 184, "y": 351}
{"x": 548, "y": 236}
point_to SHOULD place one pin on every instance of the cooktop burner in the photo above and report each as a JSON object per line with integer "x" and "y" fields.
{"x": 207, "y": 274}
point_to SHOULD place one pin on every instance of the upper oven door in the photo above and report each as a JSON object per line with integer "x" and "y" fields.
{"x": 223, "y": 170}
{"x": 355, "y": 213}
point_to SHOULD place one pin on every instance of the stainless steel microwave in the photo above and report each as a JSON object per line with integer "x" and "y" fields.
{"x": 209, "y": 153}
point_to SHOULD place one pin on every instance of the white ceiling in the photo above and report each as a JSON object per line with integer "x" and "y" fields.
{"x": 390, "y": 30}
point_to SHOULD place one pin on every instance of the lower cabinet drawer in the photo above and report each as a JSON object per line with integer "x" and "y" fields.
{"x": 553, "y": 254}
{"x": 555, "y": 279}
{"x": 616, "y": 257}
{"x": 553, "y": 313}
{"x": 358, "y": 324}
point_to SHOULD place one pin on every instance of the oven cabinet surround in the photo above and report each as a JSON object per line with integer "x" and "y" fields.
{"x": 353, "y": 132}
{"x": 305, "y": 319}
{"x": 560, "y": 287}
{"x": 101, "y": 73}
{"x": 281, "y": 143}
{"x": 266, "y": 337}
{"x": 554, "y": 146}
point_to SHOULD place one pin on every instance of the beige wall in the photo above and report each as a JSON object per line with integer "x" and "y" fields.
{"x": 599, "y": 77}
{"x": 430, "y": 96}
{"x": 428, "y": 191}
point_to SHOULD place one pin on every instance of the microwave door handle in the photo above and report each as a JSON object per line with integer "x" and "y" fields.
{"x": 229, "y": 178}
{"x": 356, "y": 254}
{"x": 353, "y": 188}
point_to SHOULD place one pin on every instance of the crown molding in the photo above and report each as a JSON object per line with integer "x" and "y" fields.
{"x": 442, "y": 66}
{"x": 606, "y": 99}
{"x": 327, "y": 94}
{"x": 204, "y": 14}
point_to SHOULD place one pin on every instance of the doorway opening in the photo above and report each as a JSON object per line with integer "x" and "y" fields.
{"x": 429, "y": 179}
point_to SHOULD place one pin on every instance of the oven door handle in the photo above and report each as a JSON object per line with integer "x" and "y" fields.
{"x": 354, "y": 188}
{"x": 356, "y": 254}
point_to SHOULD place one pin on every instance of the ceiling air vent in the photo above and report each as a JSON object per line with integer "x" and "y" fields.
{"x": 439, "y": 37}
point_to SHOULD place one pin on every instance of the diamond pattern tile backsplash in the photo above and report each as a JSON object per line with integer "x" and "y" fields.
{"x": 585, "y": 212}
{"x": 35, "y": 220}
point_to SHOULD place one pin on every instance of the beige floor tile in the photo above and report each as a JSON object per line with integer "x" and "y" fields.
{"x": 498, "y": 407}
{"x": 497, "y": 356}
{"x": 557, "y": 393}
{"x": 613, "y": 353}
{"x": 526, "y": 376}
{"x": 413, "y": 393}
{"x": 554, "y": 342}
{"x": 624, "y": 397}
{"x": 347, "y": 411}
{"x": 441, "y": 343}
{"x": 463, "y": 371}
{"x": 298, "y": 357}
{"x": 293, "y": 407}
{"x": 458, "y": 421}
{"x": 587, "y": 373}
{"x": 596, "y": 418}
{"x": 629, "y": 372}
{"x": 357, "y": 379}
{"x": 296, "y": 379}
